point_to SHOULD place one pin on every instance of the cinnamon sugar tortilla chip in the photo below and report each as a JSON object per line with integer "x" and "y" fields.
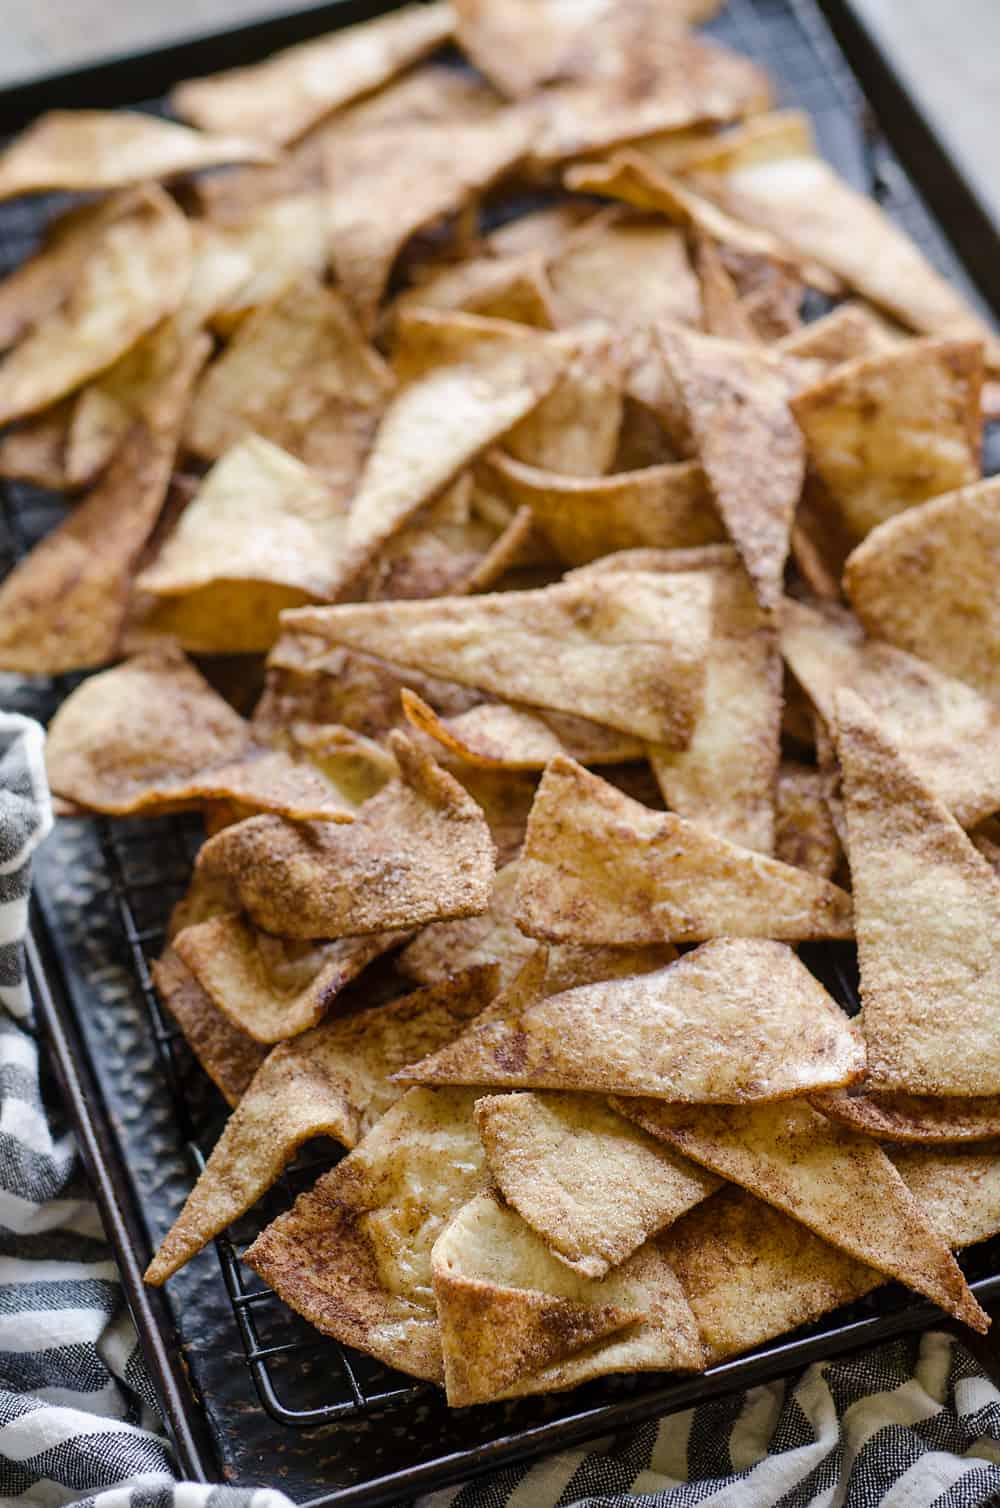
{"x": 279, "y": 242}
{"x": 626, "y": 273}
{"x": 601, "y": 868}
{"x": 957, "y": 1187}
{"x": 627, "y": 651}
{"x": 723, "y": 313}
{"x": 36, "y": 451}
{"x": 927, "y": 907}
{"x": 136, "y": 273}
{"x": 513, "y": 288}
{"x": 804, "y": 833}
{"x": 278, "y": 100}
{"x": 592, "y": 1185}
{"x": 333, "y": 1081}
{"x": 42, "y": 282}
{"x": 500, "y": 736}
{"x": 912, "y": 1117}
{"x": 739, "y": 1019}
{"x": 205, "y": 897}
{"x": 64, "y": 606}
{"x": 849, "y": 332}
{"x": 586, "y": 517}
{"x": 948, "y": 733}
{"x": 574, "y": 429}
{"x": 886, "y": 432}
{"x": 418, "y": 851}
{"x": 515, "y": 1321}
{"x": 924, "y": 581}
{"x": 228, "y": 1055}
{"x": 273, "y": 987}
{"x": 354, "y": 1254}
{"x": 84, "y": 150}
{"x": 748, "y": 444}
{"x": 842, "y": 1186}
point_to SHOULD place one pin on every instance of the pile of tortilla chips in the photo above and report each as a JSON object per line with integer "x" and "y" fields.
{"x": 623, "y": 632}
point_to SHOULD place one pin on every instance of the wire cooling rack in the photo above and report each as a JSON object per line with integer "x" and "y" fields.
{"x": 139, "y": 867}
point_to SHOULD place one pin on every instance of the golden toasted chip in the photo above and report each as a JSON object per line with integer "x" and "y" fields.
{"x": 889, "y": 431}
{"x": 849, "y": 332}
{"x": 64, "y": 607}
{"x": 513, "y": 288}
{"x": 924, "y": 581}
{"x": 273, "y": 987}
{"x": 228, "y": 1055}
{"x": 574, "y": 430}
{"x": 804, "y": 834}
{"x": 334, "y": 1081}
{"x": 723, "y": 311}
{"x": 738, "y": 1019}
{"x": 36, "y": 450}
{"x": 135, "y": 273}
{"x": 842, "y": 1186}
{"x": 958, "y": 1189}
{"x": 42, "y": 282}
{"x": 944, "y": 729}
{"x": 912, "y": 1117}
{"x": 592, "y": 1185}
{"x": 516, "y": 1321}
{"x": 84, "y": 150}
{"x": 354, "y": 1254}
{"x": 419, "y": 851}
{"x": 515, "y": 738}
{"x": 927, "y": 909}
{"x": 205, "y": 897}
{"x": 601, "y": 868}
{"x": 627, "y": 651}
{"x": 748, "y": 443}
{"x": 543, "y": 230}
{"x": 583, "y": 518}
{"x": 299, "y": 373}
{"x": 277, "y": 242}
{"x": 625, "y": 273}
{"x": 279, "y": 99}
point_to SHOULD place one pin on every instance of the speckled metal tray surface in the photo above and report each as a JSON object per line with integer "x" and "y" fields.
{"x": 251, "y": 1393}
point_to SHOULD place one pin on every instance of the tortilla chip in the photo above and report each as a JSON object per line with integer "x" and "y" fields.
{"x": 36, "y": 451}
{"x": 626, "y": 273}
{"x": 278, "y": 242}
{"x": 804, "y": 834}
{"x": 37, "y": 287}
{"x": 279, "y": 99}
{"x": 593, "y": 1186}
{"x": 627, "y": 651}
{"x": 927, "y": 906}
{"x": 85, "y": 150}
{"x": 723, "y": 313}
{"x": 912, "y": 1117}
{"x": 585, "y": 517}
{"x": 419, "y": 851}
{"x": 600, "y": 868}
{"x": 574, "y": 429}
{"x": 64, "y": 606}
{"x": 890, "y": 431}
{"x": 299, "y": 373}
{"x": 354, "y": 1254}
{"x": 660, "y": 1033}
{"x": 228, "y": 1055}
{"x": 205, "y": 897}
{"x": 823, "y": 1175}
{"x": 748, "y": 444}
{"x": 725, "y": 778}
{"x": 924, "y": 581}
{"x": 134, "y": 274}
{"x": 273, "y": 987}
{"x": 957, "y": 1187}
{"x": 848, "y": 333}
{"x": 499, "y": 736}
{"x": 945, "y": 730}
{"x": 334, "y": 1081}
{"x": 513, "y": 288}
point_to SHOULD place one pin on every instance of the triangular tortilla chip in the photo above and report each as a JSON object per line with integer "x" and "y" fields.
{"x": 627, "y": 651}
{"x": 924, "y": 580}
{"x": 723, "y": 313}
{"x": 37, "y": 286}
{"x": 592, "y": 1185}
{"x": 574, "y": 429}
{"x": 419, "y": 851}
{"x": 354, "y": 1254}
{"x": 625, "y": 272}
{"x": 84, "y": 150}
{"x": 958, "y": 1189}
{"x": 889, "y": 431}
{"x": 135, "y": 273}
{"x": 270, "y": 987}
{"x": 842, "y": 1186}
{"x": 499, "y": 736}
{"x": 948, "y": 732}
{"x": 64, "y": 606}
{"x": 912, "y": 1117}
{"x": 849, "y": 332}
{"x": 299, "y": 373}
{"x": 36, "y": 451}
{"x": 279, "y": 99}
{"x": 599, "y": 867}
{"x": 228, "y": 1055}
{"x": 927, "y": 913}
{"x": 331, "y": 1082}
{"x": 664, "y": 507}
{"x": 748, "y": 443}
{"x": 279, "y": 242}
{"x": 660, "y": 1033}
{"x": 804, "y": 833}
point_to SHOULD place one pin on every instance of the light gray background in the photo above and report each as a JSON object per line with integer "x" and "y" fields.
{"x": 947, "y": 50}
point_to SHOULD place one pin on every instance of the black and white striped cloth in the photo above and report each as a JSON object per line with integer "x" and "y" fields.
{"x": 912, "y": 1425}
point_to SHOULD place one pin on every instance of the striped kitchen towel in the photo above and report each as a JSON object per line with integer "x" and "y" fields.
{"x": 911, "y": 1425}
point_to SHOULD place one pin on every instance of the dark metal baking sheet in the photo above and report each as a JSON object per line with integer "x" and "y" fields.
{"x": 105, "y": 890}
